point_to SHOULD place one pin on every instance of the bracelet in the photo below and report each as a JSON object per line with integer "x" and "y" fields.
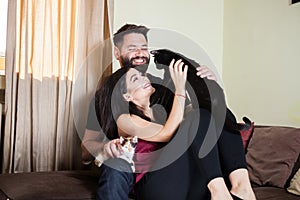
{"x": 180, "y": 95}
{"x": 99, "y": 160}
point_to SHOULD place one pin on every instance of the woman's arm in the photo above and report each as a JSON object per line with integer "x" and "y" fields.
{"x": 135, "y": 126}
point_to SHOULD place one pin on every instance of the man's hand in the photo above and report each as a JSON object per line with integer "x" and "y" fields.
{"x": 204, "y": 71}
{"x": 113, "y": 148}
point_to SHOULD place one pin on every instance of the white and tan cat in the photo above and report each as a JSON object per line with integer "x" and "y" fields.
{"x": 128, "y": 146}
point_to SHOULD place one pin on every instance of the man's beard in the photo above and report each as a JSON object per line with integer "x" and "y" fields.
{"x": 125, "y": 62}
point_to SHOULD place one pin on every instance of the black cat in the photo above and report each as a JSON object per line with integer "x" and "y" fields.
{"x": 204, "y": 93}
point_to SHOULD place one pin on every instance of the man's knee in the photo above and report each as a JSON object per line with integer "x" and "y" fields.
{"x": 116, "y": 170}
{"x": 110, "y": 178}
{"x": 118, "y": 164}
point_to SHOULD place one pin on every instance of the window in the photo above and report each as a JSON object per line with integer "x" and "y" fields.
{"x": 3, "y": 26}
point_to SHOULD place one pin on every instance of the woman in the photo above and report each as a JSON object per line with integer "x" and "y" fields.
{"x": 126, "y": 110}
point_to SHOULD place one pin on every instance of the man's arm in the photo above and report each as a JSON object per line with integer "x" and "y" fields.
{"x": 94, "y": 142}
{"x": 91, "y": 145}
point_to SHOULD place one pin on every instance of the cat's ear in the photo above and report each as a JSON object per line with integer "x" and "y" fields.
{"x": 121, "y": 139}
{"x": 135, "y": 139}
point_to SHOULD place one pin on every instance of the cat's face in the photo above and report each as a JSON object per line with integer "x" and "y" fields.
{"x": 163, "y": 57}
{"x": 128, "y": 144}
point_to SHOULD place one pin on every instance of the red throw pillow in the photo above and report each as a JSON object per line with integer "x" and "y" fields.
{"x": 246, "y": 135}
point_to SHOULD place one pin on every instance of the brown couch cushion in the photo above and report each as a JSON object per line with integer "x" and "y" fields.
{"x": 272, "y": 193}
{"x": 2, "y": 195}
{"x": 49, "y": 185}
{"x": 272, "y": 153}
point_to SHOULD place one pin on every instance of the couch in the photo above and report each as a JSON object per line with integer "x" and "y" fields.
{"x": 272, "y": 155}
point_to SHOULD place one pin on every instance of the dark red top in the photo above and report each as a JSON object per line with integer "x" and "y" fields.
{"x": 145, "y": 156}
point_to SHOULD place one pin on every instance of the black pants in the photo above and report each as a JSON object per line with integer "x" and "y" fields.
{"x": 196, "y": 155}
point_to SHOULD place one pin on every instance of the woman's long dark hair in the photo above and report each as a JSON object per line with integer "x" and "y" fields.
{"x": 110, "y": 103}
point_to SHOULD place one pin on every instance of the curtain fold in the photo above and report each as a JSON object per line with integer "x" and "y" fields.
{"x": 56, "y": 52}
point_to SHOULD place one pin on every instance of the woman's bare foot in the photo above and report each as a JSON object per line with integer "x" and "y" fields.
{"x": 218, "y": 189}
{"x": 241, "y": 186}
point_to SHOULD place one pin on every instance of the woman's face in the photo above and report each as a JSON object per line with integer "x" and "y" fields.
{"x": 138, "y": 85}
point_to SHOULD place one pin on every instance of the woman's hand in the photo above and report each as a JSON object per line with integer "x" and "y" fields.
{"x": 178, "y": 75}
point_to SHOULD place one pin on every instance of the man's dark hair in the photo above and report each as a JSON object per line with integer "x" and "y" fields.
{"x": 127, "y": 29}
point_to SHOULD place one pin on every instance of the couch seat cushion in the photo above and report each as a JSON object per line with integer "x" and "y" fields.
{"x": 273, "y": 193}
{"x": 50, "y": 185}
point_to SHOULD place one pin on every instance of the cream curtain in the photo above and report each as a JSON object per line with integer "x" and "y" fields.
{"x": 56, "y": 52}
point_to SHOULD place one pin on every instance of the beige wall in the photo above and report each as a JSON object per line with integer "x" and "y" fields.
{"x": 199, "y": 20}
{"x": 261, "y": 68}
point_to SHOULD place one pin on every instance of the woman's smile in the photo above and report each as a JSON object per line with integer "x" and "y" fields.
{"x": 147, "y": 85}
